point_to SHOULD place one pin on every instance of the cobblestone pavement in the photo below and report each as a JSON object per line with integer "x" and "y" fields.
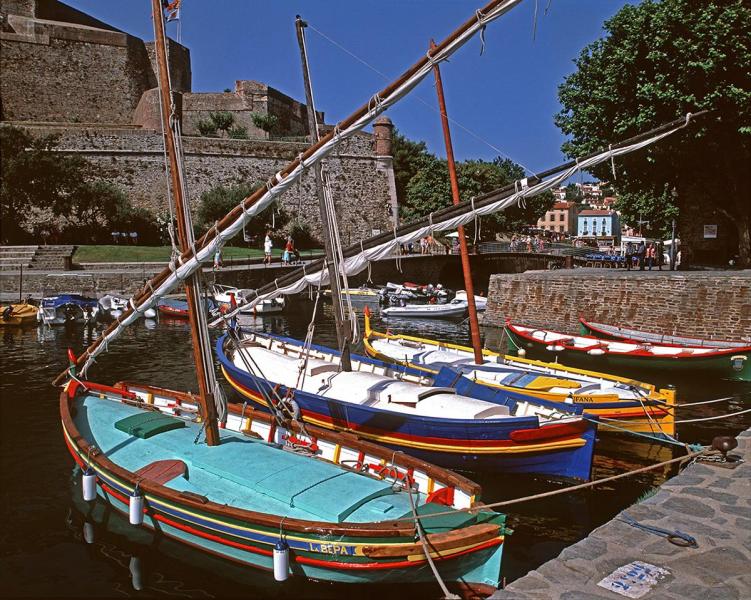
{"x": 710, "y": 503}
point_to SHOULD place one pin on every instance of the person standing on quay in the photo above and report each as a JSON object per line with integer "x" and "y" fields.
{"x": 629, "y": 255}
{"x": 267, "y": 246}
{"x": 641, "y": 250}
{"x": 651, "y": 253}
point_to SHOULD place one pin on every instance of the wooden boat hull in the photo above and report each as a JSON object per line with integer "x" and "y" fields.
{"x": 611, "y": 332}
{"x": 20, "y": 314}
{"x": 348, "y": 552}
{"x": 653, "y": 414}
{"x": 721, "y": 364}
{"x": 562, "y": 450}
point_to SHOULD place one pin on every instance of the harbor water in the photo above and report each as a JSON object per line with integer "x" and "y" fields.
{"x": 54, "y": 545}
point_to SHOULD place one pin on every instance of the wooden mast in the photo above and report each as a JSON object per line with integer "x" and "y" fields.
{"x": 474, "y": 327}
{"x": 198, "y": 326}
{"x": 343, "y": 325}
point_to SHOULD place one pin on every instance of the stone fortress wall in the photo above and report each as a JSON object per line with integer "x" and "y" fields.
{"x": 67, "y": 73}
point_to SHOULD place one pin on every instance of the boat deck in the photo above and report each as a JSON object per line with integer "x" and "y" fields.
{"x": 365, "y": 388}
{"x": 243, "y": 472}
{"x": 528, "y": 378}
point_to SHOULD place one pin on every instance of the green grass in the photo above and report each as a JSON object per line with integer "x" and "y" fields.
{"x": 114, "y": 253}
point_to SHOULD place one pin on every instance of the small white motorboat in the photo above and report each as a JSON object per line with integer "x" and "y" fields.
{"x": 481, "y": 302}
{"x": 112, "y": 306}
{"x": 455, "y": 308}
{"x": 222, "y": 296}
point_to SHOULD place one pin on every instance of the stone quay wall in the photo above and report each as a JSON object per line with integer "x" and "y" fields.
{"x": 707, "y": 502}
{"x": 133, "y": 159}
{"x": 706, "y": 304}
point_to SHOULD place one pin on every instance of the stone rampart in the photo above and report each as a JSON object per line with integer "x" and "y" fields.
{"x": 133, "y": 159}
{"x": 702, "y": 304}
{"x": 59, "y": 64}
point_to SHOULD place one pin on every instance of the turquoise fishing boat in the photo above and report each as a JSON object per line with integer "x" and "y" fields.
{"x": 342, "y": 509}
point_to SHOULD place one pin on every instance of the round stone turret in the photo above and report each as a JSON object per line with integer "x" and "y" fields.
{"x": 383, "y": 130}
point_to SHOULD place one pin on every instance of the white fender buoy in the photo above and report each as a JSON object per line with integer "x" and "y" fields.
{"x": 596, "y": 352}
{"x": 135, "y": 506}
{"x": 149, "y": 313}
{"x": 521, "y": 352}
{"x": 88, "y": 532}
{"x": 89, "y": 485}
{"x": 281, "y": 561}
{"x": 136, "y": 573}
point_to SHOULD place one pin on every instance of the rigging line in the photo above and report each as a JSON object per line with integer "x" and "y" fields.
{"x": 420, "y": 99}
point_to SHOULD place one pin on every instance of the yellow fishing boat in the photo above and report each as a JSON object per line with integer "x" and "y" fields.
{"x": 620, "y": 403}
{"x": 15, "y": 315}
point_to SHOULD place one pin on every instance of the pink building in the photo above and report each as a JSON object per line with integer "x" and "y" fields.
{"x": 560, "y": 219}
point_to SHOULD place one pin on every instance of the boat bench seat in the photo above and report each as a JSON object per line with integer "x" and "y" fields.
{"x": 146, "y": 425}
{"x": 306, "y": 485}
{"x": 314, "y": 370}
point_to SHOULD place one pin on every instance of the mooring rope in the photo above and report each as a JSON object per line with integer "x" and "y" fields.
{"x": 716, "y": 417}
{"x": 674, "y": 537}
{"x": 573, "y": 488}
{"x": 425, "y": 548}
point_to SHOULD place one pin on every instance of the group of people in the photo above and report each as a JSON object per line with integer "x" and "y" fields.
{"x": 427, "y": 245}
{"x": 521, "y": 243}
{"x": 290, "y": 255}
{"x": 122, "y": 237}
{"x": 644, "y": 254}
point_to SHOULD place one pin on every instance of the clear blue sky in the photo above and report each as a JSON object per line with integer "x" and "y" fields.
{"x": 507, "y": 95}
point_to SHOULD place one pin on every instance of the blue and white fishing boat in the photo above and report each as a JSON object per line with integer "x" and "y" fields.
{"x": 441, "y": 418}
{"x": 67, "y": 308}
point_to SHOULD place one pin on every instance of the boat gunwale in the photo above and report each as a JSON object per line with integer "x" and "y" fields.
{"x": 435, "y": 472}
{"x": 597, "y": 328}
{"x": 388, "y": 528}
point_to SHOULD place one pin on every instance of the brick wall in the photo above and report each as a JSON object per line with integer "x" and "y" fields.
{"x": 693, "y": 303}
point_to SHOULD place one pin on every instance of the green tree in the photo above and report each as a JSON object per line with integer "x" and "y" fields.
{"x": 573, "y": 193}
{"x": 265, "y": 121}
{"x": 409, "y": 156}
{"x": 222, "y": 120}
{"x": 238, "y": 132}
{"x": 37, "y": 184}
{"x": 206, "y": 127}
{"x": 48, "y": 195}
{"x": 219, "y": 200}
{"x": 657, "y": 209}
{"x": 660, "y": 60}
{"x": 429, "y": 190}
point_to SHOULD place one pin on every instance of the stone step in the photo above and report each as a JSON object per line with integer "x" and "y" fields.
{"x": 14, "y": 267}
{"x": 15, "y": 259}
{"x": 17, "y": 255}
